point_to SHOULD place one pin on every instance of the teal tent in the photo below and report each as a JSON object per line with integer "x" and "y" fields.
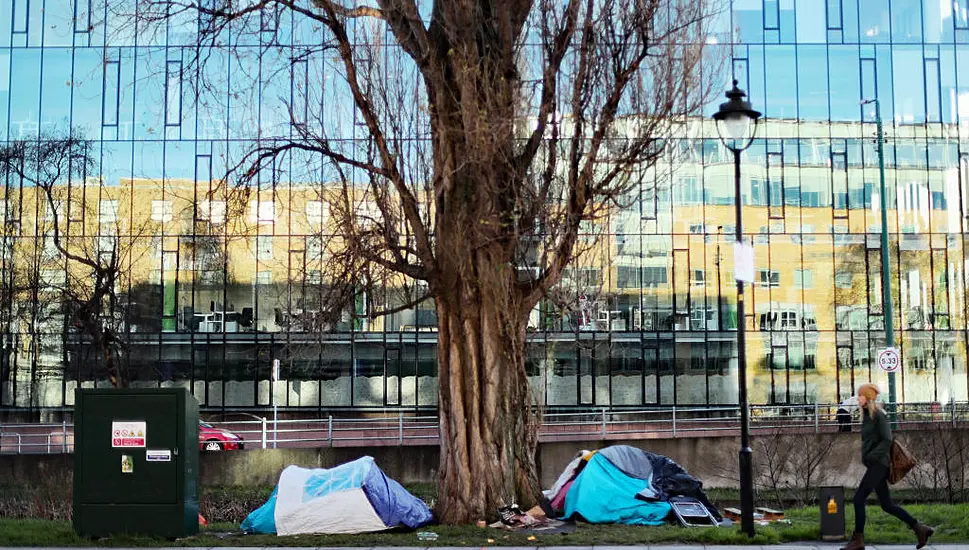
{"x": 602, "y": 493}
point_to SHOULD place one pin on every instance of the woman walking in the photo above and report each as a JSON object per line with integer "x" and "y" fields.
{"x": 876, "y": 445}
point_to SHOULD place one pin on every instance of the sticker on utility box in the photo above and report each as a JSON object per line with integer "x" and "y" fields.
{"x": 158, "y": 456}
{"x": 128, "y": 434}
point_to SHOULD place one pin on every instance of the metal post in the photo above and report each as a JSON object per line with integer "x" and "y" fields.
{"x": 329, "y": 429}
{"x": 603, "y": 410}
{"x": 953, "y": 402}
{"x": 275, "y": 403}
{"x": 64, "y": 436}
{"x": 746, "y": 466}
{"x": 886, "y": 263}
{"x": 264, "y": 432}
{"x": 816, "y": 419}
{"x": 674, "y": 421}
{"x": 400, "y": 428}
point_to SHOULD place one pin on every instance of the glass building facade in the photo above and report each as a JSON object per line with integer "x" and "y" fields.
{"x": 216, "y": 288}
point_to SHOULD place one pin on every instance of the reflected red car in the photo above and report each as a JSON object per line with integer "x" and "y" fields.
{"x": 217, "y": 439}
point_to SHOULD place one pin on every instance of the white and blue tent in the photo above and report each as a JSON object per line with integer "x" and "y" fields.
{"x": 355, "y": 497}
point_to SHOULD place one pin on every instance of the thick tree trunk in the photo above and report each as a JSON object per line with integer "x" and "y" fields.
{"x": 488, "y": 430}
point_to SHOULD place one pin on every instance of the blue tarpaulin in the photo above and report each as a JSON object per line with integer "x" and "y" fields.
{"x": 354, "y": 497}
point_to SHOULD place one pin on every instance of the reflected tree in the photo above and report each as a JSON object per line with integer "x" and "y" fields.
{"x": 79, "y": 271}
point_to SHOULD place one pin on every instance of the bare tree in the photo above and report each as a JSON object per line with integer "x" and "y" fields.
{"x": 84, "y": 275}
{"x": 942, "y": 468}
{"x": 490, "y": 132}
{"x": 809, "y": 467}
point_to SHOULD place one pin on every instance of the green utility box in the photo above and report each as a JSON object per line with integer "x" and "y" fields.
{"x": 136, "y": 462}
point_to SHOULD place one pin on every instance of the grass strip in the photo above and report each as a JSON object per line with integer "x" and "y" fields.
{"x": 952, "y": 522}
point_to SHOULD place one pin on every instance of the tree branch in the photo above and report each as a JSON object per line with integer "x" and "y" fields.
{"x": 408, "y": 201}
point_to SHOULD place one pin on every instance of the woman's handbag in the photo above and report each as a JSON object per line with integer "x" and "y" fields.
{"x": 901, "y": 462}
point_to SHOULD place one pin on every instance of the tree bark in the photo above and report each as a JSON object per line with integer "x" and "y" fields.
{"x": 488, "y": 424}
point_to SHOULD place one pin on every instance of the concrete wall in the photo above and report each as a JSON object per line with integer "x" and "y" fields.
{"x": 262, "y": 466}
{"x": 713, "y": 460}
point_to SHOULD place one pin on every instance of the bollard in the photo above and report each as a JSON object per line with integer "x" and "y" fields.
{"x": 832, "y": 503}
{"x": 263, "y": 432}
{"x": 953, "y": 400}
{"x": 816, "y": 418}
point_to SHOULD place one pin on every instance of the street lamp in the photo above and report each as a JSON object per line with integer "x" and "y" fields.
{"x": 887, "y": 312}
{"x": 737, "y": 125}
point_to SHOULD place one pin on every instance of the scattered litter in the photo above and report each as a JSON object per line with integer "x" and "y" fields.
{"x": 533, "y": 521}
{"x": 512, "y": 517}
{"x": 426, "y": 535}
{"x": 770, "y": 514}
{"x": 491, "y": 541}
{"x": 763, "y": 516}
{"x": 531, "y": 537}
{"x": 226, "y": 534}
{"x": 481, "y": 523}
{"x": 537, "y": 513}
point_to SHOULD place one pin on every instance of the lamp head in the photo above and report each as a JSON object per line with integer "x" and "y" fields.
{"x": 736, "y": 120}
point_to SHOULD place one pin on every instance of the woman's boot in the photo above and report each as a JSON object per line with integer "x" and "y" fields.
{"x": 923, "y": 532}
{"x": 857, "y": 542}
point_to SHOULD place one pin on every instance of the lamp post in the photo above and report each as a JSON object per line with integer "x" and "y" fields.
{"x": 736, "y": 126}
{"x": 886, "y": 259}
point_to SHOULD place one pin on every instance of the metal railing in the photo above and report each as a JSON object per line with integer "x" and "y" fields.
{"x": 37, "y": 438}
{"x": 408, "y": 428}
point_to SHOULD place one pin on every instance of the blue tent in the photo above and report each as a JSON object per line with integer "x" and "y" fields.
{"x": 624, "y": 484}
{"x": 355, "y": 497}
{"x": 602, "y": 493}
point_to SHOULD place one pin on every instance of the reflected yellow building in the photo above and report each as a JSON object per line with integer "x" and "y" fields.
{"x": 215, "y": 286}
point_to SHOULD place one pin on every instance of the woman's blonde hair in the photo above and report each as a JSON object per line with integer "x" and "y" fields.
{"x": 870, "y": 393}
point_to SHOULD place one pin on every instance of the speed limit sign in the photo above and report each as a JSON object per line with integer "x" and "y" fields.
{"x": 889, "y": 360}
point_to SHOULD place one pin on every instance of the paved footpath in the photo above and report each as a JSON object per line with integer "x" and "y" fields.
{"x": 795, "y": 546}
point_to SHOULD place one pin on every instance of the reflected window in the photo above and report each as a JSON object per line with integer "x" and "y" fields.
{"x": 698, "y": 277}
{"x": 262, "y": 211}
{"x": 769, "y": 278}
{"x": 689, "y": 191}
{"x": 316, "y": 212}
{"x": 654, "y": 277}
{"x": 162, "y": 211}
{"x": 758, "y": 192}
{"x": 627, "y": 277}
{"x": 212, "y": 212}
{"x": 108, "y": 211}
{"x": 264, "y": 248}
{"x": 844, "y": 279}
